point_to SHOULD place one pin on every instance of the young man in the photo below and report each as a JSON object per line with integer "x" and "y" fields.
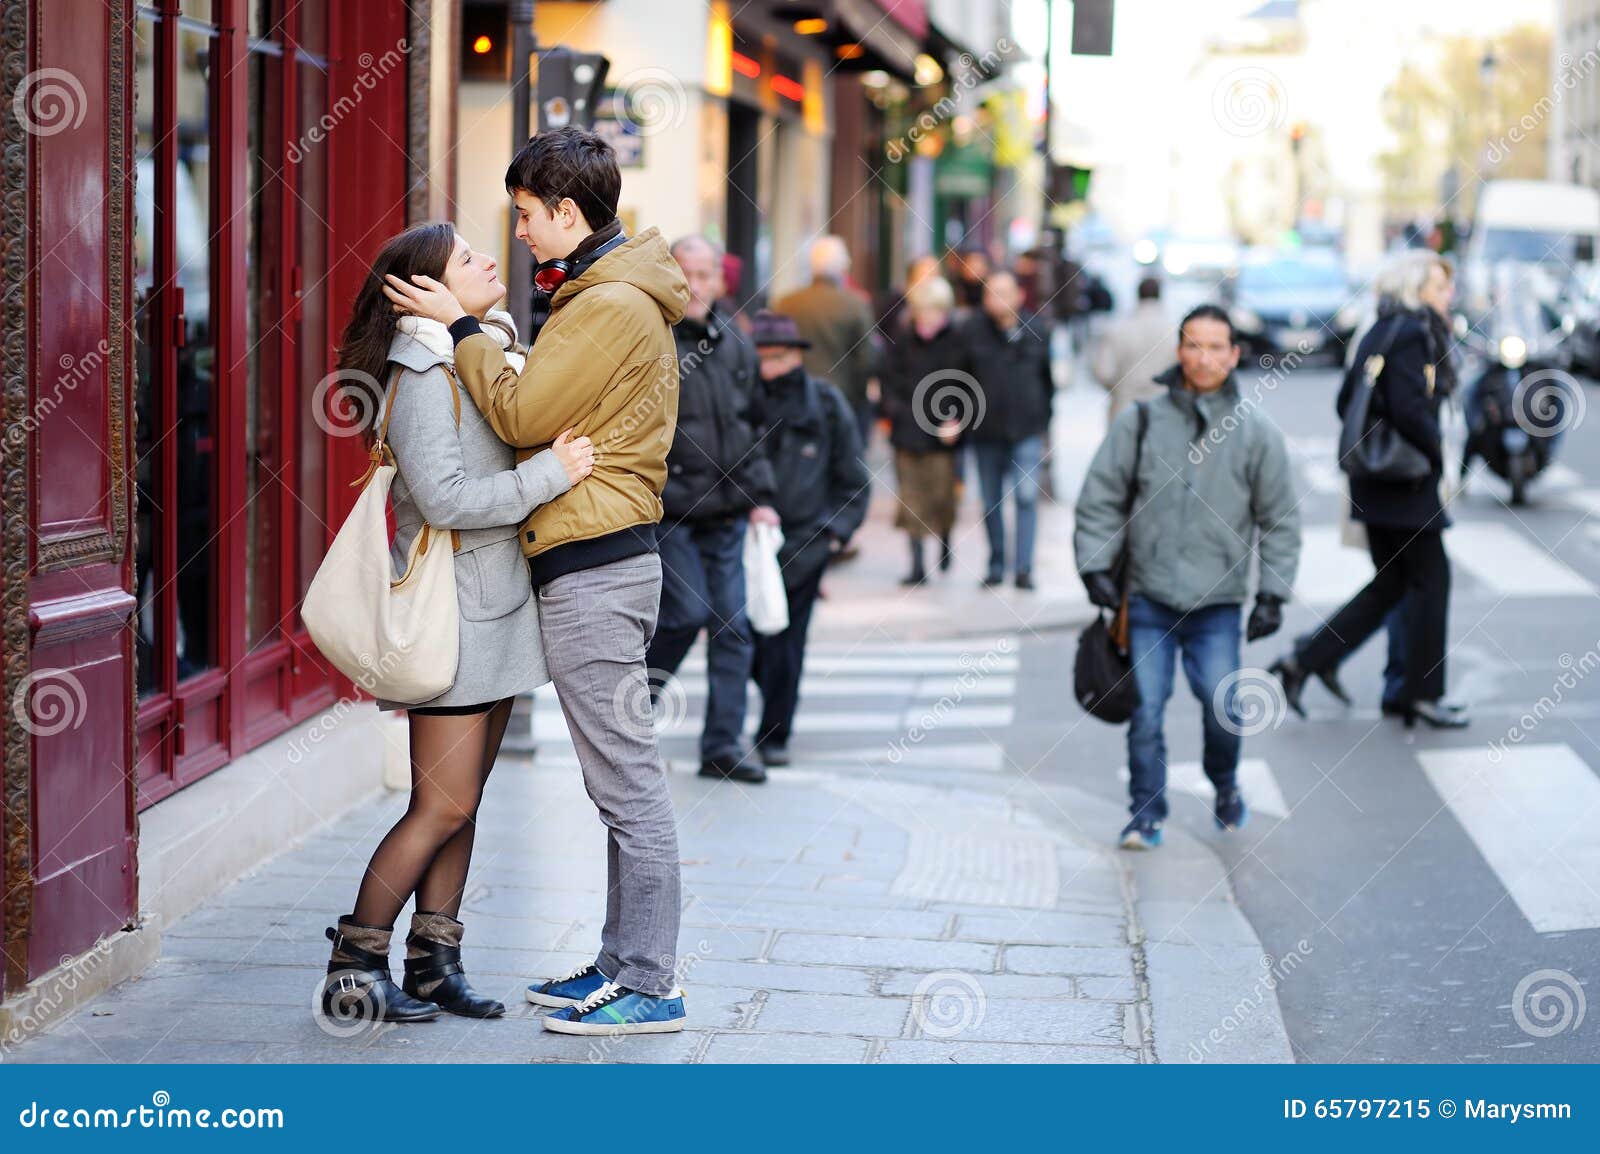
{"x": 1010, "y": 352}
{"x": 822, "y": 491}
{"x": 604, "y": 363}
{"x": 1213, "y": 486}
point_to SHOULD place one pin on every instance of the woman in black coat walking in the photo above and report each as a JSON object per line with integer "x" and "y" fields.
{"x": 928, "y": 398}
{"x": 1404, "y": 519}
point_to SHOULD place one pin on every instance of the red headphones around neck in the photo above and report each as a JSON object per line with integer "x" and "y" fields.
{"x": 549, "y": 275}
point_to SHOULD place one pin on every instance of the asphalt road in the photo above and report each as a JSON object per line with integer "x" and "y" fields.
{"x": 1440, "y": 892}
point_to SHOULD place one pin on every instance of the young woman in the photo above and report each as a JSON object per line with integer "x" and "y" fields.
{"x": 454, "y": 475}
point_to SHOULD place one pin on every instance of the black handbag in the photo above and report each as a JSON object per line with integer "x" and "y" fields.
{"x": 1370, "y": 447}
{"x": 1102, "y": 673}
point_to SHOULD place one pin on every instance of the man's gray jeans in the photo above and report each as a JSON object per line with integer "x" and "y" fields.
{"x": 597, "y": 624}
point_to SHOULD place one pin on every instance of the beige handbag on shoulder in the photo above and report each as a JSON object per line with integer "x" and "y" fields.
{"x": 397, "y": 639}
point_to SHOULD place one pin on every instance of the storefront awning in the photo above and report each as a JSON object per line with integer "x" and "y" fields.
{"x": 890, "y": 29}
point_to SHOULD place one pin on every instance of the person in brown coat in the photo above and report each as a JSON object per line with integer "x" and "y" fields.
{"x": 838, "y": 323}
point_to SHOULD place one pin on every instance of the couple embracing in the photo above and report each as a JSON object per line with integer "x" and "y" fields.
{"x": 557, "y": 574}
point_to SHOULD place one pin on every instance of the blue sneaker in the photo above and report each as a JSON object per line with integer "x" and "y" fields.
{"x": 1141, "y": 833}
{"x": 567, "y": 991}
{"x": 614, "y": 1009}
{"x": 1231, "y": 812}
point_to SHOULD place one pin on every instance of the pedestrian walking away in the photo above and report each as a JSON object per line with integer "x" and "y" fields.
{"x": 1130, "y": 353}
{"x": 839, "y": 325}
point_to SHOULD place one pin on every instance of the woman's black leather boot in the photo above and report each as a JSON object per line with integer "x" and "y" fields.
{"x": 358, "y": 987}
{"x": 433, "y": 968}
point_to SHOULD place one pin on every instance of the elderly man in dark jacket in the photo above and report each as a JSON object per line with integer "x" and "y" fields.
{"x": 1010, "y": 356}
{"x": 718, "y": 480}
{"x": 822, "y": 491}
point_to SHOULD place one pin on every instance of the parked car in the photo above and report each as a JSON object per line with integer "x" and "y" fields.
{"x": 1293, "y": 302}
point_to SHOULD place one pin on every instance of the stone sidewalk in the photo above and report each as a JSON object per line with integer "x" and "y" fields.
{"x": 826, "y": 918}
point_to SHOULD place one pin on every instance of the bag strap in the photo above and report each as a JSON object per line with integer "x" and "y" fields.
{"x": 1119, "y": 622}
{"x": 1372, "y": 367}
{"x": 380, "y": 449}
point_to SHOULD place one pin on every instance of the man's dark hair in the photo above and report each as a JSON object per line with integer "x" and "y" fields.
{"x": 569, "y": 162}
{"x": 1150, "y": 288}
{"x": 1208, "y": 313}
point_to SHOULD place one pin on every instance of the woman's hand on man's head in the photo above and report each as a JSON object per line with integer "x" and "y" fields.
{"x": 423, "y": 297}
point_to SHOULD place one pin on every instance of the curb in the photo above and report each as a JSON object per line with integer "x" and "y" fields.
{"x": 1209, "y": 986}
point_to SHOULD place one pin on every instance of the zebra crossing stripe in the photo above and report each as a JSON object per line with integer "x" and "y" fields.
{"x": 1533, "y": 811}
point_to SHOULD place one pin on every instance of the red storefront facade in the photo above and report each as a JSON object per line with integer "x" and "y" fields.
{"x": 190, "y": 191}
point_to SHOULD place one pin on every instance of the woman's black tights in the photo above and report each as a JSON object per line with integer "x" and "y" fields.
{"x": 430, "y": 847}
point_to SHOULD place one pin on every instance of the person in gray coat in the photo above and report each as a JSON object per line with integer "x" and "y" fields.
{"x": 458, "y": 478}
{"x": 1212, "y": 494}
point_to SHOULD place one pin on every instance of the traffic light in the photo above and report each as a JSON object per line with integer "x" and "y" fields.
{"x": 485, "y": 45}
{"x": 1091, "y": 27}
{"x": 1067, "y": 184}
{"x": 570, "y": 84}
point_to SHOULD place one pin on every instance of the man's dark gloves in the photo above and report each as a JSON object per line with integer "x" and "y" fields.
{"x": 1103, "y": 590}
{"x": 1266, "y": 619}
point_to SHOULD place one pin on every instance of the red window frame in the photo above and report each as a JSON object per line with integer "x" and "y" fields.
{"x": 187, "y": 729}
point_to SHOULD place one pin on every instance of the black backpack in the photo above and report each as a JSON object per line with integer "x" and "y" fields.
{"x": 1102, "y": 674}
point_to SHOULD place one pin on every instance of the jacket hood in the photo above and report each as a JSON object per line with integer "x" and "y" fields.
{"x": 646, "y": 263}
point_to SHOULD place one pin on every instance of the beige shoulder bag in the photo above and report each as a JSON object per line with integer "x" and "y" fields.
{"x": 397, "y": 639}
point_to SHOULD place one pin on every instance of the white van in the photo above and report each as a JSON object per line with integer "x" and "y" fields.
{"x": 1544, "y": 228}
{"x": 1534, "y": 222}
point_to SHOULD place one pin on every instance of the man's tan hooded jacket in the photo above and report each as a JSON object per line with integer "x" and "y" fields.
{"x": 606, "y": 365}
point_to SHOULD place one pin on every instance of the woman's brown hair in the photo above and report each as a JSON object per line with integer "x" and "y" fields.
{"x": 363, "y": 354}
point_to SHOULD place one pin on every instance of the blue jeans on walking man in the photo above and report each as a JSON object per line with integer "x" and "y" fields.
{"x": 702, "y": 587}
{"x": 1010, "y": 467}
{"x": 1208, "y": 639}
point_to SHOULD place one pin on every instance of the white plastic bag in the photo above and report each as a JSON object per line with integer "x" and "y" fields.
{"x": 766, "y": 601}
